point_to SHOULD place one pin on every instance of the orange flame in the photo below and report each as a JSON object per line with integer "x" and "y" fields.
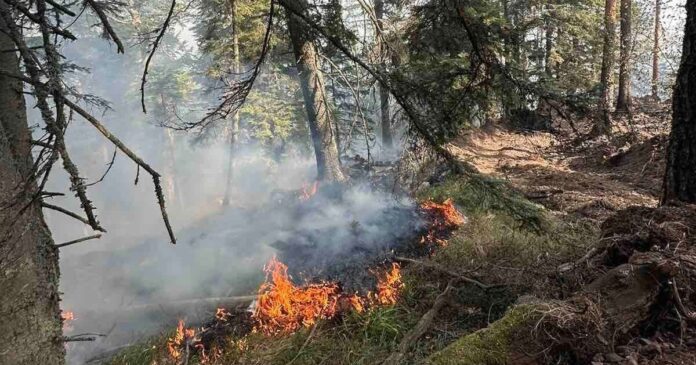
{"x": 445, "y": 217}
{"x": 388, "y": 286}
{"x": 308, "y": 191}
{"x": 283, "y": 307}
{"x": 221, "y": 314}
{"x": 181, "y": 337}
{"x": 67, "y": 316}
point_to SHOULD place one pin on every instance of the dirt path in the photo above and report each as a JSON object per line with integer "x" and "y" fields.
{"x": 590, "y": 178}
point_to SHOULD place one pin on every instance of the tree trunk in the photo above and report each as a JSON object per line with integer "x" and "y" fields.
{"x": 234, "y": 128}
{"x": 656, "y": 53}
{"x": 387, "y": 137}
{"x": 680, "y": 174}
{"x": 603, "y": 124}
{"x": 312, "y": 84}
{"x": 30, "y": 325}
{"x": 623, "y": 101}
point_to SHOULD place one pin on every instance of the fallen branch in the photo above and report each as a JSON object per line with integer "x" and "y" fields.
{"x": 445, "y": 271}
{"x": 420, "y": 329}
{"x": 572, "y": 265}
{"x": 68, "y": 213}
{"x": 309, "y": 337}
{"x": 689, "y": 315}
{"x": 83, "y": 239}
{"x": 176, "y": 306}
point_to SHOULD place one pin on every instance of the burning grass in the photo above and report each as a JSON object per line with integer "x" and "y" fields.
{"x": 283, "y": 307}
{"x": 444, "y": 218}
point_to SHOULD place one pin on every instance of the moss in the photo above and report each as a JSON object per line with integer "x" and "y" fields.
{"x": 478, "y": 194}
{"x": 488, "y": 346}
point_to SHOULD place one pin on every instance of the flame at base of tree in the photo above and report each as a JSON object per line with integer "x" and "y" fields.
{"x": 308, "y": 191}
{"x": 444, "y": 218}
{"x": 283, "y": 307}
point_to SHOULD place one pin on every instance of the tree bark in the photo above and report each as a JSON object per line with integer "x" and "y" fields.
{"x": 623, "y": 101}
{"x": 387, "y": 136}
{"x": 656, "y": 53}
{"x": 603, "y": 124}
{"x": 312, "y": 85}
{"x": 680, "y": 173}
{"x": 30, "y": 325}
{"x": 234, "y": 128}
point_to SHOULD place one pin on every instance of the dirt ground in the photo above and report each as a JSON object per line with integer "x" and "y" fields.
{"x": 572, "y": 174}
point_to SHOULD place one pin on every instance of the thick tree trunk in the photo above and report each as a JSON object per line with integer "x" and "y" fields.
{"x": 234, "y": 127}
{"x": 623, "y": 101}
{"x": 656, "y": 53}
{"x": 312, "y": 84}
{"x": 387, "y": 136}
{"x": 603, "y": 124}
{"x": 30, "y": 325}
{"x": 680, "y": 174}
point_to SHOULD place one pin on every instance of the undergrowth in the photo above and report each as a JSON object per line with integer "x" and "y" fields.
{"x": 507, "y": 241}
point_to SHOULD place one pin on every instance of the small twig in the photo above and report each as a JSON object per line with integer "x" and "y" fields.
{"x": 161, "y": 33}
{"x": 421, "y": 327}
{"x": 446, "y": 271}
{"x": 79, "y": 339}
{"x": 95, "y": 236}
{"x": 68, "y": 213}
{"x": 306, "y": 342}
{"x": 689, "y": 315}
{"x": 572, "y": 265}
{"x": 109, "y": 166}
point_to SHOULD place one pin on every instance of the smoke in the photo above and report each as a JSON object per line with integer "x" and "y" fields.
{"x": 221, "y": 250}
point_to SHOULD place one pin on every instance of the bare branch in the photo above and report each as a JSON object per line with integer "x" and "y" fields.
{"x": 68, "y": 213}
{"x": 155, "y": 175}
{"x": 61, "y": 8}
{"x": 160, "y": 35}
{"x": 83, "y": 239}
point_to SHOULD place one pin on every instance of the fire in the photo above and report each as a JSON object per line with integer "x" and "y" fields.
{"x": 67, "y": 316}
{"x": 221, "y": 314}
{"x": 283, "y": 307}
{"x": 182, "y": 337}
{"x": 308, "y": 190}
{"x": 444, "y": 217}
{"x": 388, "y": 286}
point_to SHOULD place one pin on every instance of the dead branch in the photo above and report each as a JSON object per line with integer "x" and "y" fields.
{"x": 68, "y": 213}
{"x": 106, "y": 24}
{"x": 155, "y": 175}
{"x": 155, "y": 44}
{"x": 420, "y": 329}
{"x": 37, "y": 19}
{"x": 572, "y": 265}
{"x": 182, "y": 305}
{"x": 689, "y": 315}
{"x": 306, "y": 342}
{"x": 441, "y": 269}
{"x": 61, "y": 8}
{"x": 108, "y": 168}
{"x": 83, "y": 239}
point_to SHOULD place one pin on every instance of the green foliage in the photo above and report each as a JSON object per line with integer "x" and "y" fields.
{"x": 477, "y": 194}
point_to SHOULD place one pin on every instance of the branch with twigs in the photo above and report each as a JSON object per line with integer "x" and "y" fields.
{"x": 68, "y": 213}
{"x": 101, "y": 14}
{"x": 155, "y": 44}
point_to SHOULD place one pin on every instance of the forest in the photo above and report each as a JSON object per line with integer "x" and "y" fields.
{"x": 437, "y": 182}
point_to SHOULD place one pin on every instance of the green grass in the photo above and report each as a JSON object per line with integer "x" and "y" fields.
{"x": 506, "y": 240}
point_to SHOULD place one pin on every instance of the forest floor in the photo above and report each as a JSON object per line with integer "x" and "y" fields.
{"x": 570, "y": 255}
{"x": 572, "y": 174}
